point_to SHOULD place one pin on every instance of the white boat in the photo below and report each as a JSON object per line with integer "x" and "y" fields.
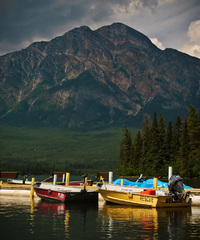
{"x": 16, "y": 181}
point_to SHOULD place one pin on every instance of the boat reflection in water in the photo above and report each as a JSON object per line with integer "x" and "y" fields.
{"x": 78, "y": 219}
{"x": 54, "y": 208}
{"x": 45, "y": 220}
{"x": 146, "y": 223}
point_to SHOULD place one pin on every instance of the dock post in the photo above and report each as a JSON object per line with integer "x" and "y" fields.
{"x": 32, "y": 189}
{"x": 110, "y": 177}
{"x": 54, "y": 179}
{"x": 122, "y": 181}
{"x": 155, "y": 180}
{"x": 85, "y": 182}
{"x": 169, "y": 172}
{"x": 67, "y": 179}
{"x": 63, "y": 179}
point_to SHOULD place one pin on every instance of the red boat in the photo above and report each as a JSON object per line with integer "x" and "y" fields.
{"x": 60, "y": 193}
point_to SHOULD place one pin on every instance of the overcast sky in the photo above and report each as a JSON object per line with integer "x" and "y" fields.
{"x": 168, "y": 23}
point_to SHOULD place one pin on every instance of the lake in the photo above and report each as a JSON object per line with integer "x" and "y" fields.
{"x": 21, "y": 218}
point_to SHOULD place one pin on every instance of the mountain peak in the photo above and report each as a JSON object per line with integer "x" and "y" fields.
{"x": 110, "y": 75}
{"x": 121, "y": 32}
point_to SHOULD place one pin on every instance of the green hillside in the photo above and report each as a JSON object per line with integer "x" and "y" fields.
{"x": 44, "y": 150}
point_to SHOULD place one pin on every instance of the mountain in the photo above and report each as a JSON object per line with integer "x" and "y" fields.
{"x": 84, "y": 78}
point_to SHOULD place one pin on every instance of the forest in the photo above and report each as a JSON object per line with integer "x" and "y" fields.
{"x": 159, "y": 145}
{"x": 148, "y": 150}
{"x": 39, "y": 151}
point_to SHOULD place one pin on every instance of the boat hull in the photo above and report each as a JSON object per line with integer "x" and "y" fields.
{"x": 64, "y": 193}
{"x": 141, "y": 200}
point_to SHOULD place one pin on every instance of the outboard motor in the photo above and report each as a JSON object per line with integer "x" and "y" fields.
{"x": 175, "y": 186}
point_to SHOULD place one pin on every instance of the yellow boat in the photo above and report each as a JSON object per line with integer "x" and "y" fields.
{"x": 141, "y": 197}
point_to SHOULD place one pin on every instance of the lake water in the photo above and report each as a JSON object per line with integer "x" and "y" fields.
{"x": 21, "y": 218}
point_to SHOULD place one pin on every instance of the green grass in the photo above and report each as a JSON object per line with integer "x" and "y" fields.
{"x": 42, "y": 150}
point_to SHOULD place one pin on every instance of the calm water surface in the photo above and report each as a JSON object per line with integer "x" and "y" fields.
{"x": 20, "y": 218}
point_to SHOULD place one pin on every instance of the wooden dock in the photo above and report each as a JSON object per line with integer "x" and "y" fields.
{"x": 24, "y": 190}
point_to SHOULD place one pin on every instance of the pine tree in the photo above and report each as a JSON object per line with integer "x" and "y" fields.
{"x": 175, "y": 147}
{"x": 193, "y": 123}
{"x": 137, "y": 154}
{"x": 146, "y": 161}
{"x": 168, "y": 145}
{"x": 161, "y": 150}
{"x": 184, "y": 151}
{"x": 155, "y": 159}
{"x": 125, "y": 151}
{"x": 159, "y": 147}
{"x": 145, "y": 165}
{"x": 146, "y": 123}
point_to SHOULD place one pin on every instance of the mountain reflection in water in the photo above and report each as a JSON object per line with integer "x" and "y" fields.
{"x": 27, "y": 219}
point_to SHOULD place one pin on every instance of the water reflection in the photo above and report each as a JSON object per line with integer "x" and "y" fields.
{"x": 42, "y": 220}
{"x": 139, "y": 222}
{"x": 32, "y": 216}
{"x": 53, "y": 208}
{"x": 67, "y": 217}
{"x": 76, "y": 221}
{"x": 145, "y": 223}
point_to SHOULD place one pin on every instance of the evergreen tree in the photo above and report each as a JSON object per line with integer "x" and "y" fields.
{"x": 144, "y": 166}
{"x": 185, "y": 170}
{"x": 137, "y": 154}
{"x": 146, "y": 123}
{"x": 155, "y": 159}
{"x": 176, "y": 135}
{"x": 168, "y": 146}
{"x": 175, "y": 147}
{"x": 193, "y": 123}
{"x": 159, "y": 147}
{"x": 161, "y": 150}
{"x": 125, "y": 152}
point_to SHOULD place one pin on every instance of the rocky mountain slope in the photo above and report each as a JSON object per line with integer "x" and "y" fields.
{"x": 111, "y": 75}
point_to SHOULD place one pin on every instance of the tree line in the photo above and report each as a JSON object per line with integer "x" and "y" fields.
{"x": 158, "y": 146}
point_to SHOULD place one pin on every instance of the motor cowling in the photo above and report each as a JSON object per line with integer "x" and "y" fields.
{"x": 175, "y": 185}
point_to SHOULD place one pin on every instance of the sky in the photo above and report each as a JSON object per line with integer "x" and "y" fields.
{"x": 168, "y": 23}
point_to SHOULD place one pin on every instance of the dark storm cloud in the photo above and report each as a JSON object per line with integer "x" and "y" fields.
{"x": 23, "y": 21}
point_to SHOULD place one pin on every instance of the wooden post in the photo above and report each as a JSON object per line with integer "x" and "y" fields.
{"x": 155, "y": 180}
{"x": 54, "y": 179}
{"x": 63, "y": 178}
{"x": 32, "y": 189}
{"x": 67, "y": 179}
{"x": 110, "y": 177}
{"x": 169, "y": 172}
{"x": 85, "y": 183}
{"x": 122, "y": 181}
